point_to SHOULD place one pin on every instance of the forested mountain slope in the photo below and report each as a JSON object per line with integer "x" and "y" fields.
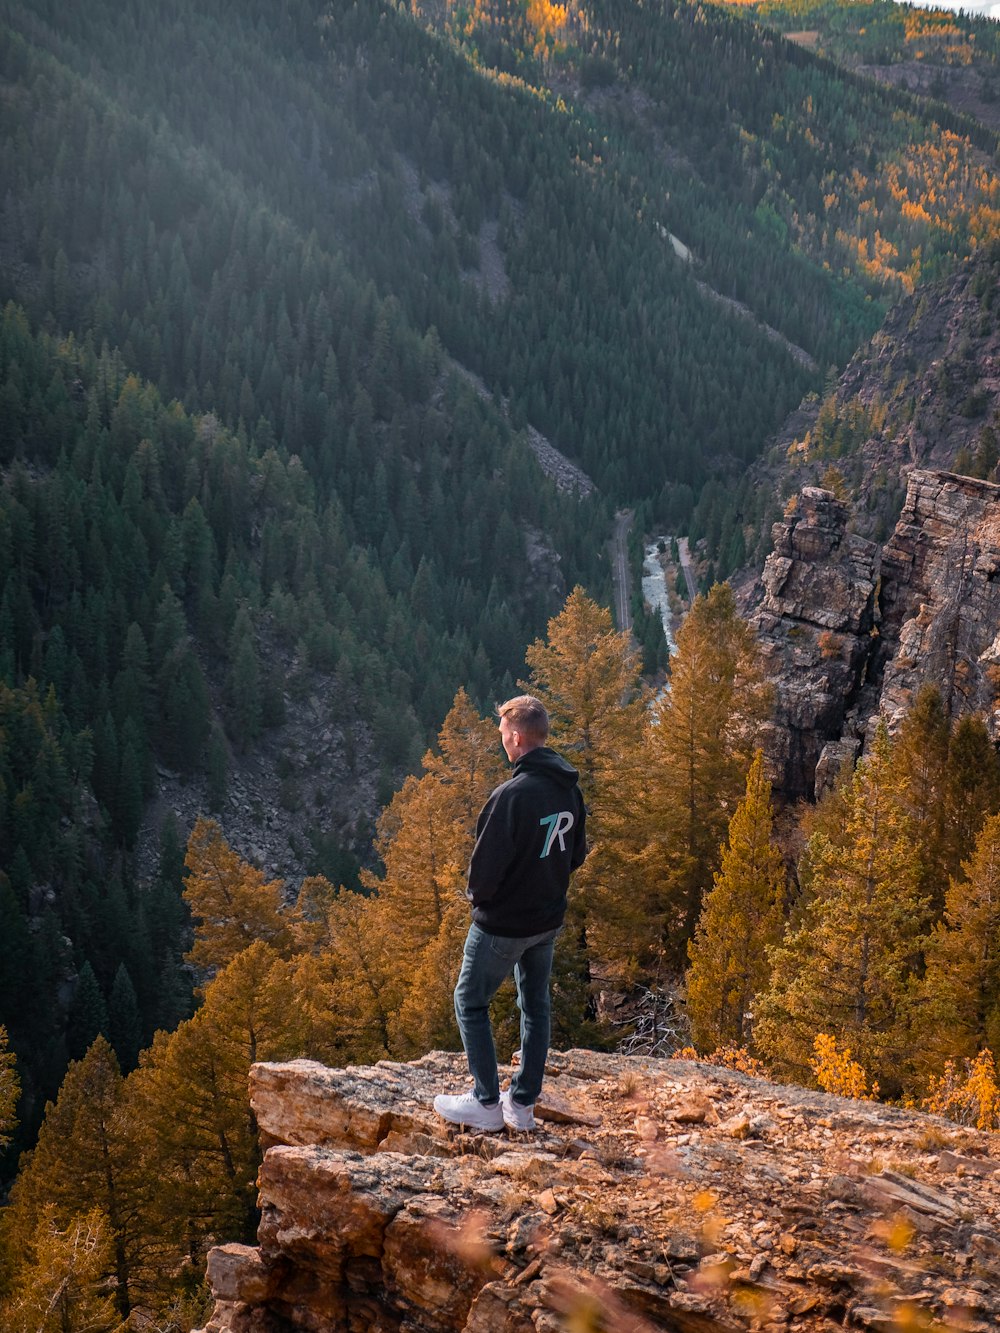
{"x": 953, "y": 57}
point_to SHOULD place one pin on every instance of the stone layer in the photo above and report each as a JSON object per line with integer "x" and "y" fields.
{"x": 849, "y": 632}
{"x": 666, "y": 1195}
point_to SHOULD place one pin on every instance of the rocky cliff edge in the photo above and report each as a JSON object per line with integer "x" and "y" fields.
{"x": 850, "y": 631}
{"x": 655, "y": 1195}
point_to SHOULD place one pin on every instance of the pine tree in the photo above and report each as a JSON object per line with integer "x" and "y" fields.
{"x": 742, "y": 918}
{"x": 956, "y": 1005}
{"x": 360, "y": 976}
{"x": 700, "y": 745}
{"x": 243, "y": 681}
{"x": 425, "y": 840}
{"x": 124, "y": 1020}
{"x": 218, "y": 769}
{"x": 88, "y": 1014}
{"x": 62, "y": 1284}
{"x": 972, "y": 789}
{"x": 10, "y": 1089}
{"x": 230, "y": 901}
{"x": 587, "y": 675}
{"x": 920, "y": 761}
{"x": 844, "y": 971}
{"x": 80, "y": 1163}
{"x": 190, "y": 1123}
{"x": 16, "y": 980}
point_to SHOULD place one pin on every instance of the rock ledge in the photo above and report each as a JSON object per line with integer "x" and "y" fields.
{"x": 665, "y": 1194}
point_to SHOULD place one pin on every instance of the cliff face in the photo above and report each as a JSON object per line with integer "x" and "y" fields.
{"x": 814, "y": 627}
{"x": 940, "y": 597}
{"x": 656, "y": 1195}
{"x": 923, "y": 393}
{"x": 850, "y": 631}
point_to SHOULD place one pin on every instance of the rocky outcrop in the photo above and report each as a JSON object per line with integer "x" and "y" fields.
{"x": 940, "y": 598}
{"x": 814, "y": 627}
{"x": 841, "y": 656}
{"x": 662, "y": 1194}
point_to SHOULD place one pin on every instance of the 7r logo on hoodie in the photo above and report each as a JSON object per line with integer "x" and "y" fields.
{"x": 559, "y": 825}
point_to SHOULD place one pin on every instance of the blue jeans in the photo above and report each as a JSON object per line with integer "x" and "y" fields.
{"x": 486, "y": 963}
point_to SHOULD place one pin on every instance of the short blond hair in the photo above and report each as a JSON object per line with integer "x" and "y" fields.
{"x": 528, "y": 715}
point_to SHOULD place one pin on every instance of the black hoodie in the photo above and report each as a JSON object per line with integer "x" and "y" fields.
{"x": 529, "y": 838}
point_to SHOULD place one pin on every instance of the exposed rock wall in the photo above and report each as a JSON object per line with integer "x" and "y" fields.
{"x": 814, "y": 627}
{"x": 664, "y": 1194}
{"x": 940, "y": 597}
{"x": 850, "y": 632}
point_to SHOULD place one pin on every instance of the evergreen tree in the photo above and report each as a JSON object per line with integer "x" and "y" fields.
{"x": 587, "y": 675}
{"x": 243, "y": 682}
{"x": 81, "y": 1163}
{"x": 420, "y": 911}
{"x": 124, "y": 1021}
{"x": 956, "y": 1004}
{"x": 190, "y": 1123}
{"x": 972, "y": 789}
{"x": 10, "y": 1088}
{"x": 356, "y": 969}
{"x": 231, "y": 902}
{"x": 62, "y": 1284}
{"x": 845, "y": 969}
{"x": 88, "y": 1013}
{"x": 16, "y": 980}
{"x": 741, "y": 920}
{"x": 218, "y": 769}
{"x": 920, "y": 761}
{"x": 700, "y": 745}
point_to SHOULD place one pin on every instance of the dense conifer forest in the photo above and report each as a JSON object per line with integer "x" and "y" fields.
{"x": 287, "y": 292}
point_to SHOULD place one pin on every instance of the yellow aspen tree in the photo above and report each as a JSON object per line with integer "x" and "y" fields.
{"x": 969, "y": 1095}
{"x": 845, "y": 970}
{"x": 701, "y": 742}
{"x": 230, "y": 900}
{"x": 836, "y": 1072}
{"x": 81, "y": 1162}
{"x": 742, "y": 918}
{"x": 956, "y": 1006}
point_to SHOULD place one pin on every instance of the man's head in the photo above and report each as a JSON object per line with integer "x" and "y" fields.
{"x": 524, "y": 725}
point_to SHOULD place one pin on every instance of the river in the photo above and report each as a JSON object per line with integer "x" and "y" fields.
{"x": 654, "y": 589}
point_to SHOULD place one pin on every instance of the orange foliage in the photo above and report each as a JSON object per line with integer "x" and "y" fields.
{"x": 727, "y": 1057}
{"x": 546, "y": 18}
{"x": 836, "y": 1072}
{"x": 970, "y": 1096}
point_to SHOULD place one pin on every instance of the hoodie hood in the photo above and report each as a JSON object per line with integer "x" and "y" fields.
{"x": 547, "y": 763}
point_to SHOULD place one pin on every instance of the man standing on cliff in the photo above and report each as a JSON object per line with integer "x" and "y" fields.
{"x": 529, "y": 839}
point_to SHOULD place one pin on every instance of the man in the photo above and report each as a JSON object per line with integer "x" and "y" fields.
{"x": 529, "y": 838}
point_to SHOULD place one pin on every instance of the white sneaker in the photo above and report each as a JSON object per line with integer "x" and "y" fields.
{"x": 468, "y": 1110}
{"x": 516, "y": 1116}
